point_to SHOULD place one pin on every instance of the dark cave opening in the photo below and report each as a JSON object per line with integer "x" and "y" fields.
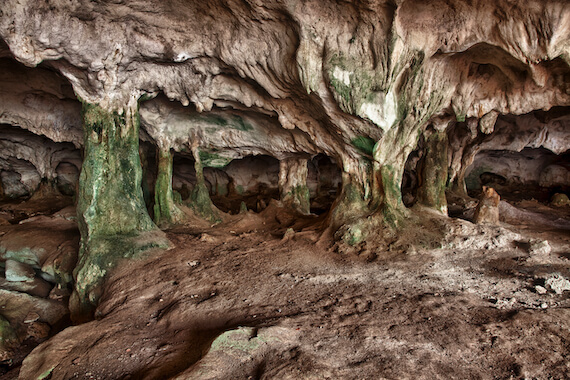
{"x": 253, "y": 181}
{"x": 67, "y": 178}
{"x": 533, "y": 173}
{"x": 21, "y": 181}
{"x": 324, "y": 181}
{"x": 29, "y": 161}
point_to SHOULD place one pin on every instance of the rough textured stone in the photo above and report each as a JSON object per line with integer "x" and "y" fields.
{"x": 560, "y": 200}
{"x": 558, "y": 283}
{"x": 519, "y": 148}
{"x": 293, "y": 184}
{"x": 49, "y": 244}
{"x": 363, "y": 84}
{"x": 431, "y": 192}
{"x": 165, "y": 209}
{"x": 325, "y": 80}
{"x": 17, "y": 271}
{"x": 38, "y": 287}
{"x": 487, "y": 211}
{"x": 236, "y": 353}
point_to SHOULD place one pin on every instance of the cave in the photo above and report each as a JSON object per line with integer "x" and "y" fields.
{"x": 284, "y": 190}
{"x": 530, "y": 173}
{"x": 252, "y": 180}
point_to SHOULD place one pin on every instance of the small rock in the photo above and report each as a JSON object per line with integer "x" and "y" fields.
{"x": 539, "y": 247}
{"x": 207, "y": 238}
{"x": 540, "y": 289}
{"x": 31, "y": 317}
{"x": 558, "y": 283}
{"x": 560, "y": 200}
{"x": 59, "y": 293}
{"x": 288, "y": 234}
{"x": 506, "y": 303}
{"x": 194, "y": 263}
{"x": 17, "y": 271}
{"x": 38, "y": 330}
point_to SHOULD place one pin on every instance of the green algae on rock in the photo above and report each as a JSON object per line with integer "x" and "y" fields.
{"x": 165, "y": 209}
{"x": 111, "y": 208}
{"x": 200, "y": 200}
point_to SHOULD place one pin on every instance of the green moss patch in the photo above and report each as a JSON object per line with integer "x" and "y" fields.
{"x": 364, "y": 144}
{"x": 213, "y": 160}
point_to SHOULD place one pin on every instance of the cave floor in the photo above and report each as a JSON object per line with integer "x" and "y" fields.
{"x": 251, "y": 299}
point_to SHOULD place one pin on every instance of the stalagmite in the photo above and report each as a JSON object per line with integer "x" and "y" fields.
{"x": 293, "y": 184}
{"x": 431, "y": 192}
{"x": 200, "y": 200}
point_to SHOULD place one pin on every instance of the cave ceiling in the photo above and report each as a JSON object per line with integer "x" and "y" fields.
{"x": 327, "y": 72}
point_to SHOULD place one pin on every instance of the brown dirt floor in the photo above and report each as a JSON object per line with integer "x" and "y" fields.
{"x": 246, "y": 300}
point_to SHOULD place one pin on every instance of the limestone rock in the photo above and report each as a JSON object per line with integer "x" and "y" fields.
{"x": 555, "y": 175}
{"x": 38, "y": 287}
{"x": 519, "y": 149}
{"x": 236, "y": 353}
{"x": 17, "y": 271}
{"x": 17, "y": 306}
{"x": 48, "y": 244}
{"x": 487, "y": 211}
{"x": 539, "y": 247}
{"x": 23, "y": 317}
{"x": 214, "y": 82}
{"x": 558, "y": 283}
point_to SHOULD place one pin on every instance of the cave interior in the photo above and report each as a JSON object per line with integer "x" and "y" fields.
{"x": 284, "y": 190}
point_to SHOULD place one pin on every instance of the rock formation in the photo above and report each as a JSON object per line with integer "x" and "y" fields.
{"x": 174, "y": 112}
{"x": 487, "y": 210}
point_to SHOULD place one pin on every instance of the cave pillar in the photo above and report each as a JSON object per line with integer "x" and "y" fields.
{"x": 389, "y": 181}
{"x": 293, "y": 184}
{"x": 165, "y": 210}
{"x": 112, "y": 216}
{"x": 348, "y": 217}
{"x": 200, "y": 200}
{"x": 433, "y": 180}
{"x": 390, "y": 156}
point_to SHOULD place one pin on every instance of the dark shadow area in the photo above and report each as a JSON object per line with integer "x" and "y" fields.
{"x": 324, "y": 181}
{"x": 253, "y": 180}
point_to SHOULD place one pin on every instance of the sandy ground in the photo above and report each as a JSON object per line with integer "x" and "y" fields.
{"x": 249, "y": 299}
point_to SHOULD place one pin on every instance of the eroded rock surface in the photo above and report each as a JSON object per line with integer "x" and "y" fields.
{"x": 374, "y": 114}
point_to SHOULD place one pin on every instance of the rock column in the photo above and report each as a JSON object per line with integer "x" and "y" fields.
{"x": 293, "y": 184}
{"x": 165, "y": 210}
{"x": 200, "y": 200}
{"x": 112, "y": 215}
{"x": 431, "y": 192}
